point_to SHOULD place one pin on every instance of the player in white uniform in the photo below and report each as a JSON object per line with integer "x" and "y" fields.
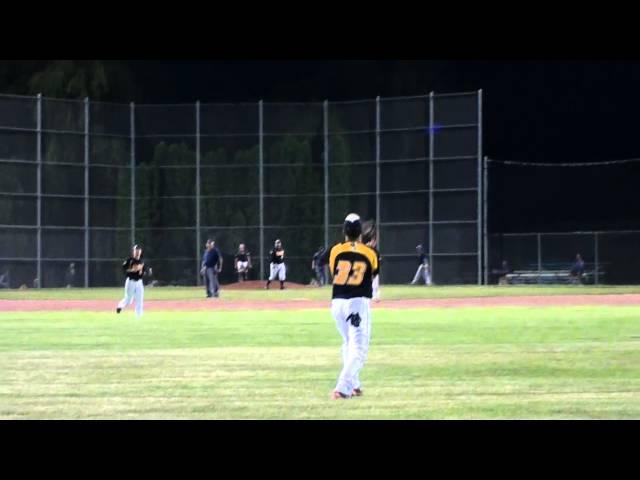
{"x": 243, "y": 263}
{"x": 353, "y": 266}
{"x": 277, "y": 267}
{"x": 134, "y": 269}
{"x": 370, "y": 239}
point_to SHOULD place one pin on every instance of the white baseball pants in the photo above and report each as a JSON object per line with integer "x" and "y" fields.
{"x": 278, "y": 270}
{"x": 353, "y": 321}
{"x": 133, "y": 291}
{"x": 375, "y": 286}
{"x": 242, "y": 266}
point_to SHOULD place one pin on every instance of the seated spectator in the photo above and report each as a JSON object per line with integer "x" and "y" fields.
{"x": 70, "y": 276}
{"x": 502, "y": 273}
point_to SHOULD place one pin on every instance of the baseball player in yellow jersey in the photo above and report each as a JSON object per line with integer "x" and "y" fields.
{"x": 353, "y": 266}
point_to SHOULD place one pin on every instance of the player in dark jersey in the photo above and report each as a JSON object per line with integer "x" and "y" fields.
{"x": 242, "y": 262}
{"x": 353, "y": 266}
{"x": 424, "y": 270}
{"x": 134, "y": 269}
{"x": 317, "y": 265}
{"x": 277, "y": 266}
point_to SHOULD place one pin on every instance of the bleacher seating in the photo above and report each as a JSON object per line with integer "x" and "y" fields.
{"x": 552, "y": 274}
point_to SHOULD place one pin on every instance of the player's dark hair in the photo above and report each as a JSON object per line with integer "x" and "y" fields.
{"x": 353, "y": 230}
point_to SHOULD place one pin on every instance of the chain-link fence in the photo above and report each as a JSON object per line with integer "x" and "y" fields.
{"x": 593, "y": 197}
{"x": 80, "y": 182}
{"x": 609, "y": 257}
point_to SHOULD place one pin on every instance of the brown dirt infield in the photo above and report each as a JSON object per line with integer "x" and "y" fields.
{"x": 220, "y": 304}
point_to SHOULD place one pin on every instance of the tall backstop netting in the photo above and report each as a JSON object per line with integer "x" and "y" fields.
{"x": 82, "y": 181}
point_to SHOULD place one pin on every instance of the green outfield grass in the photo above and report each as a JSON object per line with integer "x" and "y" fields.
{"x": 389, "y": 292}
{"x": 507, "y": 362}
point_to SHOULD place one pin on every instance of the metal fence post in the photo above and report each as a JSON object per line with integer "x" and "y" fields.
{"x": 261, "y": 184}
{"x": 198, "y": 233}
{"x": 133, "y": 173}
{"x": 39, "y": 191}
{"x": 539, "y": 255}
{"x": 326, "y": 174}
{"x": 431, "y": 117}
{"x": 86, "y": 192}
{"x": 480, "y": 187}
{"x": 378, "y": 213}
{"x": 597, "y": 257}
{"x": 485, "y": 226}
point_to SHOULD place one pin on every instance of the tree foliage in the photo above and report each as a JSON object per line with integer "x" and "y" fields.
{"x": 96, "y": 79}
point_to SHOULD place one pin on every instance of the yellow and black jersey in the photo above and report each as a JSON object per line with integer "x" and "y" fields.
{"x": 353, "y": 266}
{"x": 377, "y": 256}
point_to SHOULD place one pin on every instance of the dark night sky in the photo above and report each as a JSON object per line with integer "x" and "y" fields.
{"x": 545, "y": 111}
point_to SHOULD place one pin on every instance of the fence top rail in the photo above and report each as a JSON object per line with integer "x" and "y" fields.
{"x": 11, "y": 95}
{"x": 410, "y": 97}
{"x": 193, "y": 104}
{"x": 114, "y": 104}
{"x": 456, "y": 94}
{"x": 241, "y": 103}
{"x": 230, "y": 104}
{"x": 592, "y": 232}
{"x": 314, "y": 103}
{"x": 563, "y": 164}
{"x": 371, "y": 101}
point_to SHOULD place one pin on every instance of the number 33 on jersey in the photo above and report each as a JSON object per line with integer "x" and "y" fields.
{"x": 353, "y": 266}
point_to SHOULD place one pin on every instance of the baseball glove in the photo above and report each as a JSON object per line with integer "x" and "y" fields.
{"x": 369, "y": 233}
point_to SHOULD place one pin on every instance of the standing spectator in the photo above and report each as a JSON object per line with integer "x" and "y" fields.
{"x": 4, "y": 279}
{"x": 317, "y": 265}
{"x": 242, "y": 262}
{"x": 211, "y": 267}
{"x": 577, "y": 271}
{"x": 424, "y": 270}
{"x": 70, "y": 276}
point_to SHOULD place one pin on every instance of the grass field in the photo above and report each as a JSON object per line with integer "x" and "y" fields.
{"x": 389, "y": 292}
{"x": 432, "y": 363}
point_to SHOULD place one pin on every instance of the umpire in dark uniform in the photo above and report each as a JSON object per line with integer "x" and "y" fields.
{"x": 211, "y": 266}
